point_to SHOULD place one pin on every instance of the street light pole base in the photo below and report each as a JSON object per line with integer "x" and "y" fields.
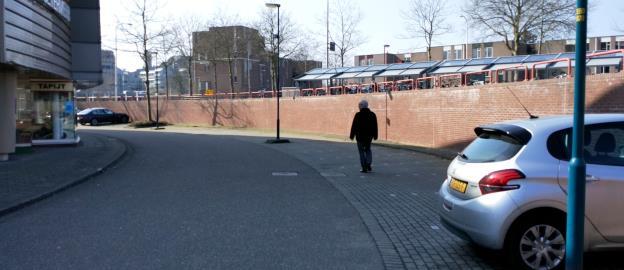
{"x": 276, "y": 141}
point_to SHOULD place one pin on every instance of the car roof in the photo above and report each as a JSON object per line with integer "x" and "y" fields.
{"x": 559, "y": 122}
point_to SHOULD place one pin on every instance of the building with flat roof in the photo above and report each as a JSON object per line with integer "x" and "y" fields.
{"x": 48, "y": 48}
{"x": 489, "y": 50}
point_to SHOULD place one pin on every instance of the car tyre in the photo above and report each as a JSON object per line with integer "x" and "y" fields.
{"x": 124, "y": 120}
{"x": 537, "y": 243}
{"x": 94, "y": 122}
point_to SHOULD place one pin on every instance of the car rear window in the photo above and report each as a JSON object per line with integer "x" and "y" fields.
{"x": 490, "y": 147}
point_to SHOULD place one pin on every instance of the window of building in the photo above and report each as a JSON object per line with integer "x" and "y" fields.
{"x": 407, "y": 58}
{"x": 476, "y": 52}
{"x": 605, "y": 46}
{"x": 446, "y": 54}
{"x": 362, "y": 62}
{"x": 619, "y": 43}
{"x": 370, "y": 61}
{"x": 459, "y": 53}
{"x": 489, "y": 52}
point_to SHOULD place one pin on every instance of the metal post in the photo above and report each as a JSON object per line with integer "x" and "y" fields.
{"x": 116, "y": 57}
{"x": 327, "y": 45}
{"x": 466, "y": 45}
{"x": 277, "y": 139}
{"x": 576, "y": 183}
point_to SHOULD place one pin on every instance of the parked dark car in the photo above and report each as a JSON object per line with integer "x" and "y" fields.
{"x": 96, "y": 116}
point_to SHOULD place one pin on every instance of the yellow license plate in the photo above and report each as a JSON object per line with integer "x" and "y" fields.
{"x": 458, "y": 185}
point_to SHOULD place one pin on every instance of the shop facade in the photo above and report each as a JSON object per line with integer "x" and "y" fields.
{"x": 48, "y": 49}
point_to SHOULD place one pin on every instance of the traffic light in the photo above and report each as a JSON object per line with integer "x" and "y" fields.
{"x": 332, "y": 46}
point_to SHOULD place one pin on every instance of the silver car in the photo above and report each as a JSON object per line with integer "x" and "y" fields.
{"x": 507, "y": 189}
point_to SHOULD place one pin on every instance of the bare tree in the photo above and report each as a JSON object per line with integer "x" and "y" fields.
{"x": 291, "y": 40}
{"x": 425, "y": 19}
{"x": 144, "y": 32}
{"x": 521, "y": 20}
{"x": 345, "y": 17}
{"x": 183, "y": 33}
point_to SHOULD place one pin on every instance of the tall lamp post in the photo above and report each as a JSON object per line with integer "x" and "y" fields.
{"x": 157, "y": 90}
{"x": 277, "y": 138}
{"x": 466, "y": 45}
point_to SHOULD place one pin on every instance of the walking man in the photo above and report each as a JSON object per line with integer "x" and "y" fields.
{"x": 364, "y": 130}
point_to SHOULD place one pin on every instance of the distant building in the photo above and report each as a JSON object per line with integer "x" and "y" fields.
{"x": 107, "y": 88}
{"x": 238, "y": 50}
{"x": 489, "y": 50}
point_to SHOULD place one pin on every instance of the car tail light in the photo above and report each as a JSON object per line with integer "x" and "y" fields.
{"x": 498, "y": 181}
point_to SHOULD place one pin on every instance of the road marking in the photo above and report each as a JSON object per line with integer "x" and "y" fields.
{"x": 285, "y": 174}
{"x": 333, "y": 174}
{"x": 435, "y": 227}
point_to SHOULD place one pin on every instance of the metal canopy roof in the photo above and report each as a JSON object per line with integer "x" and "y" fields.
{"x": 347, "y": 75}
{"x": 454, "y": 63}
{"x": 481, "y": 61}
{"x": 402, "y": 66}
{"x": 325, "y": 76}
{"x": 376, "y": 68}
{"x": 540, "y": 57}
{"x": 508, "y": 65}
{"x": 472, "y": 68}
{"x": 308, "y": 77}
{"x": 443, "y": 70}
{"x": 594, "y": 62}
{"x": 388, "y": 73}
{"x": 412, "y": 71}
{"x": 366, "y": 74}
{"x": 510, "y": 59}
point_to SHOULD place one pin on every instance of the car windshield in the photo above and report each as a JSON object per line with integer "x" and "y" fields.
{"x": 490, "y": 147}
{"x": 83, "y": 112}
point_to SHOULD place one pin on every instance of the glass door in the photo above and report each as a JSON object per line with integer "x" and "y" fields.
{"x": 54, "y": 116}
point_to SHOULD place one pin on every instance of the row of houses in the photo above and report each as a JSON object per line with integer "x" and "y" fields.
{"x": 453, "y": 73}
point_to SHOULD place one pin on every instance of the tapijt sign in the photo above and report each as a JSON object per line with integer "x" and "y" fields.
{"x": 52, "y": 86}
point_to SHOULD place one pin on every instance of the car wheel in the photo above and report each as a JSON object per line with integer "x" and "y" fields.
{"x": 94, "y": 122}
{"x": 124, "y": 120}
{"x": 538, "y": 243}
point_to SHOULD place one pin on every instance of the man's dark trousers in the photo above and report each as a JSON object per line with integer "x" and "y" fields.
{"x": 366, "y": 155}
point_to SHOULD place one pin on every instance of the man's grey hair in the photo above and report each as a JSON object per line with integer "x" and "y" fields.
{"x": 363, "y": 104}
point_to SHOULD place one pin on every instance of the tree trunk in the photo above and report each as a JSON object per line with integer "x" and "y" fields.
{"x": 215, "y": 108}
{"x": 190, "y": 73}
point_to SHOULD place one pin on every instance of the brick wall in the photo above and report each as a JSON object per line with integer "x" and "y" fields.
{"x": 433, "y": 118}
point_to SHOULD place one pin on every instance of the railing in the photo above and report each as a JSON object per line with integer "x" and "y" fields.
{"x": 441, "y": 81}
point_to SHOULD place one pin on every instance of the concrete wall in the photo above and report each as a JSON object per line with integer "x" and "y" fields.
{"x": 434, "y": 118}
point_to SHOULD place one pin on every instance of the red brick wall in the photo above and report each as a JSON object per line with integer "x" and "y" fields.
{"x": 433, "y": 118}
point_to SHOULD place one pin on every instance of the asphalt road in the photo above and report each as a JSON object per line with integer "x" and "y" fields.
{"x": 182, "y": 201}
{"x": 210, "y": 201}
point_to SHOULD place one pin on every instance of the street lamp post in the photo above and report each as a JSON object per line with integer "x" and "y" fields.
{"x": 277, "y": 138}
{"x": 466, "y": 45}
{"x": 386, "y": 46}
{"x": 157, "y": 90}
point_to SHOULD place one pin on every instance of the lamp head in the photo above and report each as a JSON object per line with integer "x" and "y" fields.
{"x": 272, "y": 5}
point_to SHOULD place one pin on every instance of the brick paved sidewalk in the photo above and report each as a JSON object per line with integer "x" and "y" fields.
{"x": 33, "y": 176}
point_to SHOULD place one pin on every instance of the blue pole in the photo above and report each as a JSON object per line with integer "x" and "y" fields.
{"x": 576, "y": 184}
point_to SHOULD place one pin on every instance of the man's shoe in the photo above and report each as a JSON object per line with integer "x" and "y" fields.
{"x": 363, "y": 170}
{"x": 369, "y": 168}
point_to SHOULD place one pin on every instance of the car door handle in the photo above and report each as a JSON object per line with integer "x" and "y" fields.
{"x": 591, "y": 178}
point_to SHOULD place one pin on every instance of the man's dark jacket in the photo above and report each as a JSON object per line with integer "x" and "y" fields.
{"x": 364, "y": 127}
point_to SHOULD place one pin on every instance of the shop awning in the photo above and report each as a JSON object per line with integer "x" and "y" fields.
{"x": 389, "y": 73}
{"x": 444, "y": 70}
{"x": 413, "y": 71}
{"x": 347, "y": 75}
{"x": 309, "y": 77}
{"x": 472, "y": 68}
{"x": 367, "y": 74}
{"x": 596, "y": 62}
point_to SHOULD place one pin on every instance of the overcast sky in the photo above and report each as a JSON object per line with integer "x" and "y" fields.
{"x": 381, "y": 22}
